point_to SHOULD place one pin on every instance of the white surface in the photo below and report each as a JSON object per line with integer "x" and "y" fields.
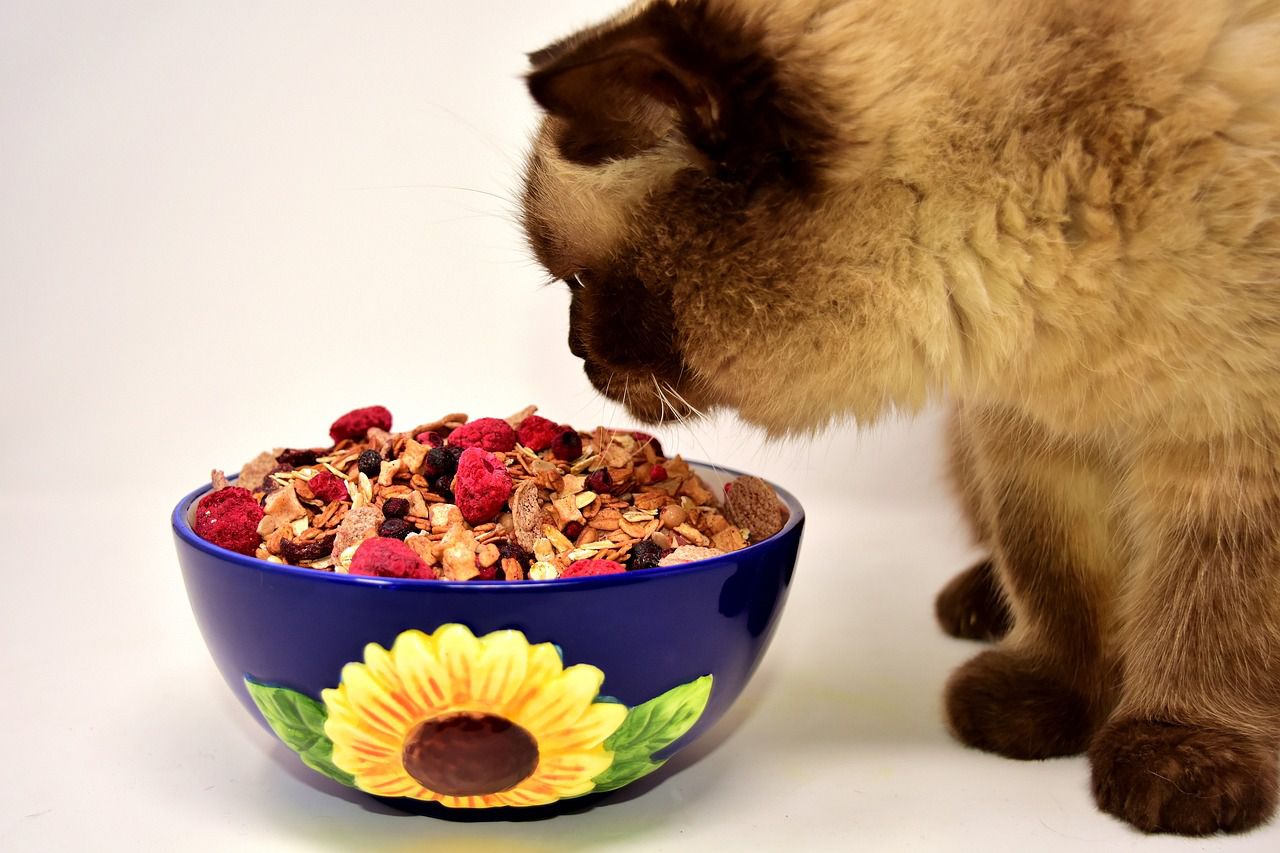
{"x": 269, "y": 185}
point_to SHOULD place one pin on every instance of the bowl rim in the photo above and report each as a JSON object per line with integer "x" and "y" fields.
{"x": 186, "y": 534}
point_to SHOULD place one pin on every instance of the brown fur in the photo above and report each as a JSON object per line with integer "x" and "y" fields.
{"x": 1061, "y": 215}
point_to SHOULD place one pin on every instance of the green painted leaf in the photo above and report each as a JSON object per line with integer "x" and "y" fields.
{"x": 649, "y": 728}
{"x": 298, "y": 720}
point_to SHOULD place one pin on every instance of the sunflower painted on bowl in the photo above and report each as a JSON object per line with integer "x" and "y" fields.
{"x": 476, "y": 722}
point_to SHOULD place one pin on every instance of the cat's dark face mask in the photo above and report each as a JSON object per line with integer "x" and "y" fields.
{"x": 662, "y": 132}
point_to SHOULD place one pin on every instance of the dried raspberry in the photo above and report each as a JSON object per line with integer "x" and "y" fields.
{"x": 492, "y": 434}
{"x": 229, "y": 518}
{"x": 297, "y": 458}
{"x": 657, "y": 474}
{"x": 369, "y": 463}
{"x": 601, "y": 483}
{"x": 481, "y": 487}
{"x": 592, "y": 568}
{"x": 395, "y": 508}
{"x": 389, "y": 558}
{"x": 440, "y": 461}
{"x": 430, "y": 439}
{"x": 395, "y": 528}
{"x": 572, "y": 530}
{"x": 644, "y": 438}
{"x": 537, "y": 433}
{"x": 328, "y": 487}
{"x": 313, "y": 549}
{"x": 567, "y": 446}
{"x": 355, "y": 424}
{"x": 645, "y": 554}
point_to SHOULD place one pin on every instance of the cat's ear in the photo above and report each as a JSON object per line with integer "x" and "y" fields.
{"x": 621, "y": 90}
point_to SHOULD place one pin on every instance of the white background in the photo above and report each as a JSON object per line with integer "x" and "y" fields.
{"x": 224, "y": 224}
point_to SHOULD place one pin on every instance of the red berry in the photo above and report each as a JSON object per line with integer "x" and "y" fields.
{"x": 572, "y": 530}
{"x": 487, "y": 573}
{"x": 657, "y": 474}
{"x": 357, "y": 423}
{"x": 644, "y": 437}
{"x": 492, "y": 434}
{"x": 229, "y": 518}
{"x": 389, "y": 558}
{"x": 430, "y": 439}
{"x": 537, "y": 433}
{"x": 601, "y": 483}
{"x": 567, "y": 446}
{"x": 481, "y": 486}
{"x": 592, "y": 568}
{"x": 328, "y": 487}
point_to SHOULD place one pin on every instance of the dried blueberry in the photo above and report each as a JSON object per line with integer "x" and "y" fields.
{"x": 303, "y": 552}
{"x": 443, "y": 486}
{"x": 645, "y": 555}
{"x": 440, "y": 461}
{"x": 395, "y": 508}
{"x": 370, "y": 463}
{"x": 395, "y": 528}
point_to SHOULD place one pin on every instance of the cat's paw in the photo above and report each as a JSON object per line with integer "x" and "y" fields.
{"x": 1190, "y": 780}
{"x": 971, "y": 606}
{"x": 1002, "y": 703}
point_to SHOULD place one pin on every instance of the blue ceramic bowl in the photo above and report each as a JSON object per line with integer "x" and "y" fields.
{"x": 488, "y": 693}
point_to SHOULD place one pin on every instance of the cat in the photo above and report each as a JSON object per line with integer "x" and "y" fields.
{"x": 1062, "y": 218}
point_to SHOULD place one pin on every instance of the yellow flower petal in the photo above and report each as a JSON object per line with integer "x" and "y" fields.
{"x": 591, "y": 729}
{"x": 458, "y": 651}
{"x": 426, "y": 682}
{"x": 557, "y": 703}
{"x": 501, "y": 668}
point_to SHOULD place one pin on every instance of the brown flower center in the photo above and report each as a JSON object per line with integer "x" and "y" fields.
{"x": 469, "y": 754}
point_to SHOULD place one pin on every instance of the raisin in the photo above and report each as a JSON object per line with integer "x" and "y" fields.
{"x": 395, "y": 528}
{"x": 370, "y": 463}
{"x": 297, "y": 458}
{"x": 515, "y": 552}
{"x": 395, "y": 508}
{"x": 313, "y": 549}
{"x": 645, "y": 555}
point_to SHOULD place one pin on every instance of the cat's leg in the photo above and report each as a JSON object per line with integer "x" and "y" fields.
{"x": 1043, "y": 691}
{"x": 1192, "y": 745}
{"x": 971, "y": 606}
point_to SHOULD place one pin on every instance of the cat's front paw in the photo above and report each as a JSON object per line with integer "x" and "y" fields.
{"x": 1189, "y": 780}
{"x": 1003, "y": 703}
{"x": 971, "y": 605}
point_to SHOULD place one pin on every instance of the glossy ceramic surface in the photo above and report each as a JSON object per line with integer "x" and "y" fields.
{"x": 650, "y": 634}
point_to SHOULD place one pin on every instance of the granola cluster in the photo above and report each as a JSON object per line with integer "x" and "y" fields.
{"x": 518, "y": 498}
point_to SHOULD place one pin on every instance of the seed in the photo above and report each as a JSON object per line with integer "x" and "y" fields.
{"x": 673, "y": 516}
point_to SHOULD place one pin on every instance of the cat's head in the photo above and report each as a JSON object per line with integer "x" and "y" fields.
{"x": 681, "y": 185}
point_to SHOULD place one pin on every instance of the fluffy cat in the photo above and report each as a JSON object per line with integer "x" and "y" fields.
{"x": 1062, "y": 216}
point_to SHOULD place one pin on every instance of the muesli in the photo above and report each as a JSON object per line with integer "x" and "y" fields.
{"x": 518, "y": 498}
